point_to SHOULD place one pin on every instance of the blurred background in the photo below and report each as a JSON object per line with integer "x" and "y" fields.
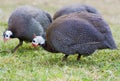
{"x": 110, "y": 9}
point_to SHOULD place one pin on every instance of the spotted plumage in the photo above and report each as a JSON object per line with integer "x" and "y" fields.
{"x": 74, "y": 8}
{"x": 26, "y": 21}
{"x": 78, "y": 33}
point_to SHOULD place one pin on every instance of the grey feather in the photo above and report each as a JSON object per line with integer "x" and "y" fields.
{"x": 78, "y": 33}
{"x": 75, "y": 8}
{"x": 26, "y": 21}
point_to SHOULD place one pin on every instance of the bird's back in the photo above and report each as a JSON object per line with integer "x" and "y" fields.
{"x": 75, "y": 8}
{"x": 26, "y": 21}
{"x": 72, "y": 35}
{"x": 100, "y": 24}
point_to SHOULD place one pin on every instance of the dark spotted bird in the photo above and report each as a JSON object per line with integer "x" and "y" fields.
{"x": 77, "y": 33}
{"x": 26, "y": 21}
{"x": 75, "y": 8}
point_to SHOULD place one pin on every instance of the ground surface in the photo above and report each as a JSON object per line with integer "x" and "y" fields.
{"x": 30, "y": 64}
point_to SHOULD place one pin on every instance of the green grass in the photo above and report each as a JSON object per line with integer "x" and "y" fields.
{"x": 36, "y": 64}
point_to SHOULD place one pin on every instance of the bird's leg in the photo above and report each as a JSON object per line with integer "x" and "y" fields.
{"x": 78, "y": 58}
{"x": 20, "y": 43}
{"x": 65, "y": 57}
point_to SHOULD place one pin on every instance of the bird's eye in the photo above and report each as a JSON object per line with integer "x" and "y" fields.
{"x": 33, "y": 41}
{"x": 6, "y": 35}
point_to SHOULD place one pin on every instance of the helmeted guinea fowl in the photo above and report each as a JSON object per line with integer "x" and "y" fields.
{"x": 77, "y": 33}
{"x": 75, "y": 8}
{"x": 26, "y": 21}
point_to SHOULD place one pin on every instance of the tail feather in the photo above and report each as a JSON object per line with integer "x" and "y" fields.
{"x": 110, "y": 42}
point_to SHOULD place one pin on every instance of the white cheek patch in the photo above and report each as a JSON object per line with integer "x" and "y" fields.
{"x": 38, "y": 39}
{"x": 41, "y": 40}
{"x": 8, "y": 34}
{"x": 35, "y": 42}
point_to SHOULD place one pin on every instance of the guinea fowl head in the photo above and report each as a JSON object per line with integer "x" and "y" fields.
{"x": 7, "y": 35}
{"x": 38, "y": 40}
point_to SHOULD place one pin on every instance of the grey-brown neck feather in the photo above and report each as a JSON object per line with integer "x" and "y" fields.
{"x": 47, "y": 47}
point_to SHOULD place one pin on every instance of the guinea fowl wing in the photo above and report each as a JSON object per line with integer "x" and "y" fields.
{"x": 72, "y": 33}
{"x": 102, "y": 26}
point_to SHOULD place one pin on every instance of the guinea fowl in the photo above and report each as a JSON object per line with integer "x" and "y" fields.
{"x": 77, "y": 33}
{"x": 26, "y": 21}
{"x": 74, "y": 8}
{"x": 85, "y": 8}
